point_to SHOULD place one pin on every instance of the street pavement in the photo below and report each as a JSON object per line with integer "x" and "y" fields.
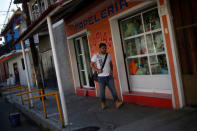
{"x": 5, "y": 125}
{"x": 85, "y": 114}
{"x": 86, "y": 111}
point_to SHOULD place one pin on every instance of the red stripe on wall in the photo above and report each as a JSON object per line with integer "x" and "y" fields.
{"x": 171, "y": 61}
{"x": 153, "y": 101}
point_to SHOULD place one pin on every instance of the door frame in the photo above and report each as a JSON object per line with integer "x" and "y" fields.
{"x": 84, "y": 61}
{"x": 72, "y": 56}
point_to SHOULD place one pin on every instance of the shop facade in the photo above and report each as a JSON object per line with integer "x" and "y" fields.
{"x": 139, "y": 38}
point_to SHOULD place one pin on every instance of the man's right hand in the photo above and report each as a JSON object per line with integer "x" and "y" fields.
{"x": 100, "y": 71}
{"x": 93, "y": 65}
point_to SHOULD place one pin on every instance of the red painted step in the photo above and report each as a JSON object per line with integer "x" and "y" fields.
{"x": 150, "y": 99}
{"x": 86, "y": 92}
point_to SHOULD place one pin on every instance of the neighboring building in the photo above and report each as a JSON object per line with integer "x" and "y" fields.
{"x": 140, "y": 36}
{"x": 36, "y": 8}
{"x": 11, "y": 58}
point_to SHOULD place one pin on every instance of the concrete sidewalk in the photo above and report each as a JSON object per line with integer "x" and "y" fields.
{"x": 85, "y": 111}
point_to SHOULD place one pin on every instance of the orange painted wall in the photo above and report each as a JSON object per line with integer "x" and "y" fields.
{"x": 99, "y": 32}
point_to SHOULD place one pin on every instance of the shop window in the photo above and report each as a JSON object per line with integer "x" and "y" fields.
{"x": 158, "y": 64}
{"x": 132, "y": 26}
{"x": 138, "y": 66}
{"x": 135, "y": 46}
{"x": 158, "y": 42}
{"x": 143, "y": 44}
{"x": 150, "y": 44}
{"x": 155, "y": 42}
{"x": 151, "y": 20}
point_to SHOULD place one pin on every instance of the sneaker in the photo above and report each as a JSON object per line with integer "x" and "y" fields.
{"x": 119, "y": 104}
{"x": 103, "y": 105}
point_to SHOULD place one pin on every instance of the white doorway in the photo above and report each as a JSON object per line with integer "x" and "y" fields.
{"x": 83, "y": 61}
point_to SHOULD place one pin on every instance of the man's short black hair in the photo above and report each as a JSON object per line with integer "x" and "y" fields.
{"x": 102, "y": 44}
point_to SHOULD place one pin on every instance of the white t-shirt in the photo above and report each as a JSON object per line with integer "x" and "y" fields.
{"x": 99, "y": 59}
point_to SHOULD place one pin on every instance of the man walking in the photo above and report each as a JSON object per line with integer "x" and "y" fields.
{"x": 105, "y": 77}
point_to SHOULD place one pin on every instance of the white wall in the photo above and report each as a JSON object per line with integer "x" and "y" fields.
{"x": 1, "y": 40}
{"x": 62, "y": 46}
{"x": 22, "y": 75}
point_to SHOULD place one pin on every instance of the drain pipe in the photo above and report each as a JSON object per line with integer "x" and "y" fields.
{"x": 59, "y": 81}
{"x": 26, "y": 71}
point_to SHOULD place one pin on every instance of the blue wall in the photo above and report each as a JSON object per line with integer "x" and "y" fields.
{"x": 9, "y": 37}
{"x": 18, "y": 46}
{"x": 16, "y": 34}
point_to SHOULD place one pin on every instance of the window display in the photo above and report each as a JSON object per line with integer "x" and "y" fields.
{"x": 143, "y": 44}
{"x": 132, "y": 26}
{"x": 138, "y": 66}
{"x": 151, "y": 20}
{"x": 150, "y": 45}
{"x": 158, "y": 64}
{"x": 158, "y": 41}
{"x": 135, "y": 46}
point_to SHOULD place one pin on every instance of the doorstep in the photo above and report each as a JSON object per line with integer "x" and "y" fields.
{"x": 149, "y": 99}
{"x": 86, "y": 92}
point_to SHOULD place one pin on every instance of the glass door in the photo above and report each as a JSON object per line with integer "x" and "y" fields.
{"x": 83, "y": 61}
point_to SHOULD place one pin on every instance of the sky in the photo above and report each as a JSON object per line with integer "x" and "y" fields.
{"x": 4, "y": 5}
